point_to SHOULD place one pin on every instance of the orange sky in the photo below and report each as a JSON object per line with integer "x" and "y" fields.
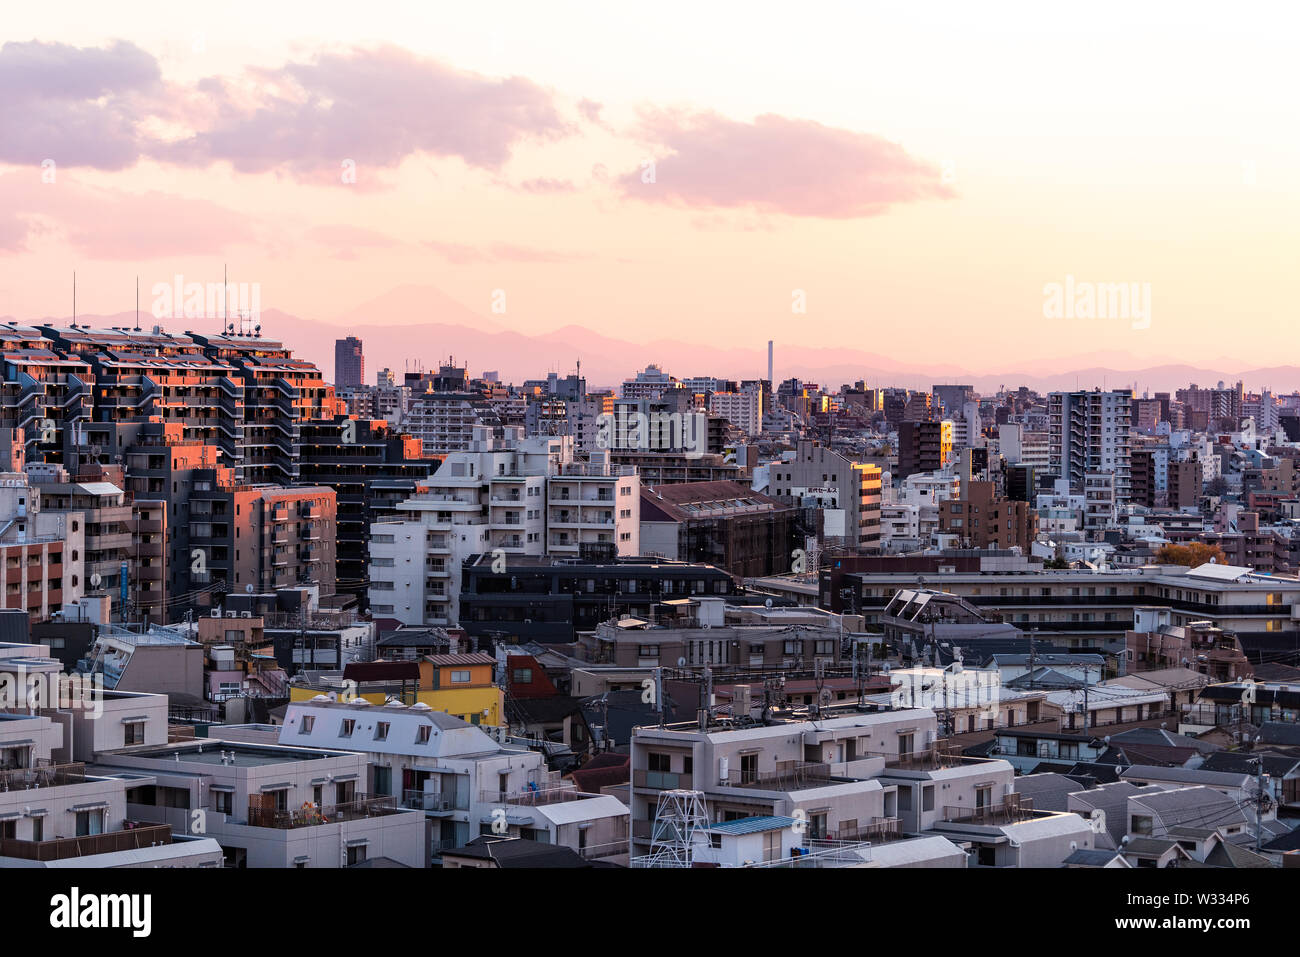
{"x": 919, "y": 172}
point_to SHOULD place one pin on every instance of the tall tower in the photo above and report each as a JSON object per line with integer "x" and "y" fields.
{"x": 769, "y": 360}
{"x": 349, "y": 363}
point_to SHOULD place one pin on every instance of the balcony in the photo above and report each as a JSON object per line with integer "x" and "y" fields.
{"x": 660, "y": 780}
{"x": 52, "y": 776}
{"x": 1012, "y": 809}
{"x": 362, "y": 807}
{"x": 791, "y": 776}
{"x": 879, "y": 831}
{"x": 535, "y": 798}
{"x": 132, "y": 838}
{"x": 430, "y": 801}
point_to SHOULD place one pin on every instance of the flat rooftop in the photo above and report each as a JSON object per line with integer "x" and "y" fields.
{"x": 234, "y": 754}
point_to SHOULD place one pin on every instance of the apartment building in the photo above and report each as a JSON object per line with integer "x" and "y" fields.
{"x": 1089, "y": 433}
{"x": 268, "y": 805}
{"x": 923, "y": 446}
{"x": 254, "y": 538}
{"x": 1084, "y": 609}
{"x": 464, "y": 781}
{"x": 551, "y": 600}
{"x": 742, "y": 408}
{"x": 55, "y": 812}
{"x": 349, "y": 362}
{"x": 980, "y": 518}
{"x": 725, "y": 524}
{"x": 827, "y": 769}
{"x": 837, "y": 483}
{"x": 507, "y": 496}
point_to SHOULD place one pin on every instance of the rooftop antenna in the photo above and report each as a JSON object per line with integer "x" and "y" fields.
{"x": 137, "y": 303}
{"x": 74, "y": 299}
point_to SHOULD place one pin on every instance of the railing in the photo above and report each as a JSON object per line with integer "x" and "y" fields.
{"x": 1012, "y": 809}
{"x": 535, "y": 798}
{"x": 428, "y": 801}
{"x": 880, "y": 830}
{"x": 361, "y": 807}
{"x": 133, "y": 838}
{"x": 661, "y": 780}
{"x": 56, "y": 775}
{"x": 795, "y": 775}
{"x": 597, "y": 851}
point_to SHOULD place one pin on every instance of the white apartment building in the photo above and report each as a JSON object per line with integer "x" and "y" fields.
{"x": 46, "y": 800}
{"x": 519, "y": 496}
{"x": 651, "y": 383}
{"x": 1089, "y": 432}
{"x": 268, "y": 805}
{"x": 464, "y": 780}
{"x": 743, "y": 409}
{"x": 1020, "y": 445}
{"x": 447, "y": 421}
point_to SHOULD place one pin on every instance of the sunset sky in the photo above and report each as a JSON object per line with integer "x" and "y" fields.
{"x": 919, "y": 170}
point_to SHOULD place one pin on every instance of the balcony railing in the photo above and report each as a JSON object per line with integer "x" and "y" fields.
{"x": 362, "y": 807}
{"x": 794, "y": 776}
{"x": 428, "y": 801}
{"x": 880, "y": 830}
{"x": 133, "y": 838}
{"x": 535, "y": 798}
{"x": 56, "y": 775}
{"x": 1012, "y": 809}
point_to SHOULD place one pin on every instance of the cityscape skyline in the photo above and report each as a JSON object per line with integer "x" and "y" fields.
{"x": 914, "y": 179}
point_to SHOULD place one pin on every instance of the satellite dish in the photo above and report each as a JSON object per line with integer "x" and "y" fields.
{"x": 681, "y": 662}
{"x": 768, "y": 603}
{"x": 249, "y": 588}
{"x": 95, "y": 580}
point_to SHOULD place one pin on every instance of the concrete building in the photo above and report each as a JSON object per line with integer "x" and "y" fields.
{"x": 1089, "y": 433}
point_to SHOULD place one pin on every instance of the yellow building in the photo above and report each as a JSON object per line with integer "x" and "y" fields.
{"x": 460, "y": 685}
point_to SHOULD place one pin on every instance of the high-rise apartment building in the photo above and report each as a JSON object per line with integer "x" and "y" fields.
{"x": 349, "y": 363}
{"x": 1089, "y": 432}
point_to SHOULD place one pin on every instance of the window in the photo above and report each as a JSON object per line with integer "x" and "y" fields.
{"x": 133, "y": 733}
{"x": 522, "y": 676}
{"x": 460, "y": 677}
{"x": 381, "y": 731}
{"x": 422, "y": 734}
{"x": 648, "y": 651}
{"x": 308, "y": 720}
{"x": 223, "y": 801}
{"x": 1142, "y": 824}
{"x": 356, "y": 854}
{"x": 90, "y": 822}
{"x": 347, "y": 727}
{"x": 659, "y": 762}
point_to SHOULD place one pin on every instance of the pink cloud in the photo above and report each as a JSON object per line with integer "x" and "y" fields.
{"x": 777, "y": 165}
{"x": 375, "y": 107}
{"x": 115, "y": 225}
{"x": 76, "y": 106}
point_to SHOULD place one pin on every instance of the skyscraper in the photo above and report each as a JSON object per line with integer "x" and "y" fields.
{"x": 349, "y": 363}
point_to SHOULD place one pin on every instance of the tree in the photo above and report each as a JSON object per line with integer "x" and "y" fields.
{"x": 1192, "y": 554}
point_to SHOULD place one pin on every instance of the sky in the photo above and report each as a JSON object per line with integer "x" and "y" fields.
{"x": 918, "y": 180}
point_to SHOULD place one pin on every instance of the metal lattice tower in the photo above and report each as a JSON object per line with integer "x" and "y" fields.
{"x": 680, "y": 826}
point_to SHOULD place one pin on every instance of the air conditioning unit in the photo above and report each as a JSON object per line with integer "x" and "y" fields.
{"x": 245, "y": 614}
{"x": 232, "y": 614}
{"x": 216, "y": 613}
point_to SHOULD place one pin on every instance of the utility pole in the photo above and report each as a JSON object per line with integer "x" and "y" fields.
{"x": 1259, "y": 801}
